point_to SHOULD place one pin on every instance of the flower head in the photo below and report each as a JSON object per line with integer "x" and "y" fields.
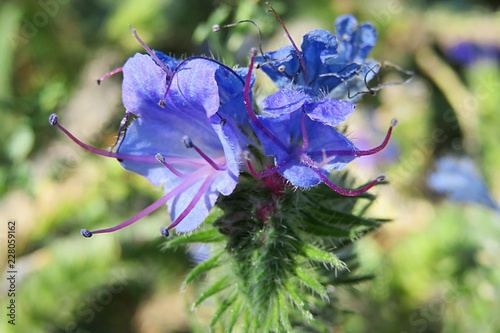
{"x": 186, "y": 134}
{"x": 326, "y": 62}
{"x": 299, "y": 133}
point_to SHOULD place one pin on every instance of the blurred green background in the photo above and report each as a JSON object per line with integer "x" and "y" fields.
{"x": 437, "y": 265}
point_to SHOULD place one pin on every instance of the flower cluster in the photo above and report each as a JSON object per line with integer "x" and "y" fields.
{"x": 191, "y": 124}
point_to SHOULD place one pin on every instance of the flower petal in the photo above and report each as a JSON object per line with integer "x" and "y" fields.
{"x": 329, "y": 111}
{"x": 284, "y": 101}
{"x": 144, "y": 84}
{"x": 284, "y": 58}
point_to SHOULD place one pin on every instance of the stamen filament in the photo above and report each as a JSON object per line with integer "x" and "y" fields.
{"x": 382, "y": 145}
{"x": 148, "y": 210}
{"x": 265, "y": 173}
{"x": 358, "y": 153}
{"x": 212, "y": 163}
{"x": 108, "y": 75}
{"x": 297, "y": 51}
{"x": 248, "y": 107}
{"x": 150, "y": 52}
{"x": 162, "y": 160}
{"x": 203, "y": 188}
{"x": 345, "y": 192}
{"x": 54, "y": 121}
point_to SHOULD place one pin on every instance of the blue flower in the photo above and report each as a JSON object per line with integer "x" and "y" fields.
{"x": 326, "y": 62}
{"x": 299, "y": 133}
{"x": 459, "y": 179}
{"x": 468, "y": 53}
{"x": 186, "y": 134}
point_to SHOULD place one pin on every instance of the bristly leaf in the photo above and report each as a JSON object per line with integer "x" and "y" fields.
{"x": 201, "y": 236}
{"x": 309, "y": 280}
{"x": 236, "y": 311}
{"x": 316, "y": 254}
{"x": 297, "y": 300}
{"x": 204, "y": 267}
{"x": 226, "y": 303}
{"x": 218, "y": 286}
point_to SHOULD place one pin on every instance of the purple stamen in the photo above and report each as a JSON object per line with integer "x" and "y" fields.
{"x": 297, "y": 51}
{"x": 248, "y": 104}
{"x": 108, "y": 75}
{"x": 382, "y": 145}
{"x": 348, "y": 193}
{"x": 358, "y": 153}
{"x": 148, "y": 210}
{"x": 268, "y": 172}
{"x": 162, "y": 160}
{"x": 213, "y": 164}
{"x": 54, "y": 121}
{"x": 150, "y": 52}
{"x": 203, "y": 188}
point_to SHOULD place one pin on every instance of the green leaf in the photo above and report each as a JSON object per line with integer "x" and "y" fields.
{"x": 299, "y": 302}
{"x": 226, "y": 303}
{"x": 316, "y": 254}
{"x": 212, "y": 290}
{"x": 200, "y": 236}
{"x": 235, "y": 313}
{"x": 204, "y": 267}
{"x": 311, "y": 282}
{"x": 283, "y": 316}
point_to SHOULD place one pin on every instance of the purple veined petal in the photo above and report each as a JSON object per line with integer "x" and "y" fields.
{"x": 280, "y": 127}
{"x": 169, "y": 61}
{"x": 281, "y": 66}
{"x": 355, "y": 41}
{"x": 144, "y": 83}
{"x": 317, "y": 47}
{"x": 299, "y": 174}
{"x": 231, "y": 94}
{"x": 284, "y": 101}
{"x": 164, "y": 135}
{"x": 329, "y": 111}
{"x": 344, "y": 25}
{"x": 324, "y": 138}
{"x": 193, "y": 88}
{"x": 228, "y": 135}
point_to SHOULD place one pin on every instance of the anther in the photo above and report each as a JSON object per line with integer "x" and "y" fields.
{"x": 161, "y": 103}
{"x": 111, "y": 73}
{"x": 187, "y": 142}
{"x": 223, "y": 120}
{"x": 150, "y": 52}
{"x": 253, "y": 52}
{"x": 160, "y": 158}
{"x": 164, "y": 232}
{"x": 216, "y": 28}
{"x": 53, "y": 119}
{"x": 297, "y": 51}
{"x": 281, "y": 68}
{"x": 86, "y": 233}
{"x": 380, "y": 178}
